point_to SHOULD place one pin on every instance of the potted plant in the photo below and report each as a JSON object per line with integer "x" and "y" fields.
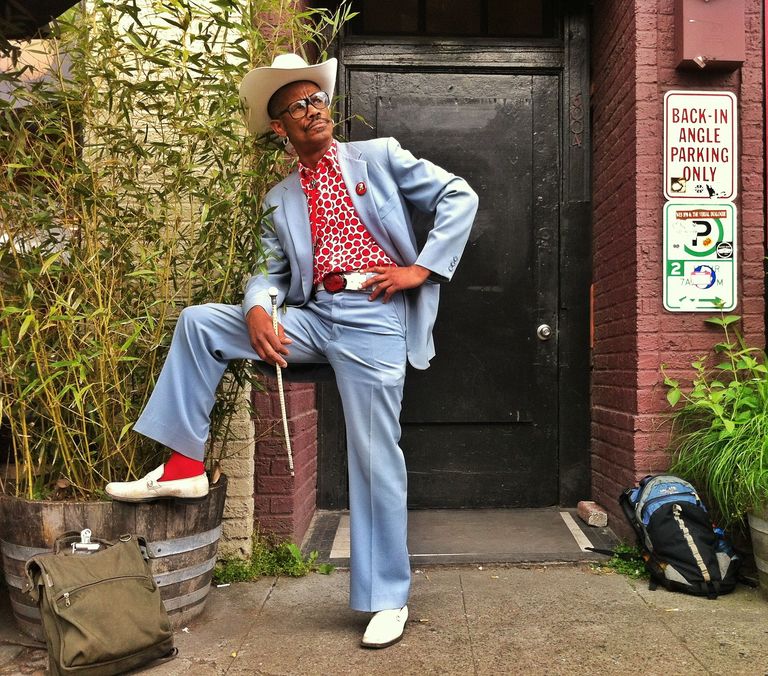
{"x": 720, "y": 434}
{"x": 129, "y": 190}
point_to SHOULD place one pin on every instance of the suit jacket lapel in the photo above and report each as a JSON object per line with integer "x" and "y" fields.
{"x": 297, "y": 222}
{"x": 355, "y": 170}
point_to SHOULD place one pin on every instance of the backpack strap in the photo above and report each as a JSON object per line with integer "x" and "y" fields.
{"x": 629, "y": 512}
{"x": 747, "y": 581}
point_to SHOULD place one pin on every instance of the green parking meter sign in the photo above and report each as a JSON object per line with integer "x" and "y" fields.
{"x": 699, "y": 256}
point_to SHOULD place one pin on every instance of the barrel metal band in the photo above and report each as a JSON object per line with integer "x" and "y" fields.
{"x": 173, "y": 576}
{"x": 757, "y": 523}
{"x": 161, "y": 579}
{"x": 186, "y": 600}
{"x": 158, "y": 550}
{"x": 20, "y": 552}
{"x": 14, "y": 581}
{"x": 32, "y": 612}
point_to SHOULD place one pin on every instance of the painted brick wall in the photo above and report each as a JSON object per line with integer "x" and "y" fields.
{"x": 284, "y": 504}
{"x": 614, "y": 195}
{"x": 634, "y": 335}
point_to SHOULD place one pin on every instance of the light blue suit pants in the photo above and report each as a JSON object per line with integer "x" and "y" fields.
{"x": 364, "y": 342}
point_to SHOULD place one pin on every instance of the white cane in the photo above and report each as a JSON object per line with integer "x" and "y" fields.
{"x": 273, "y": 295}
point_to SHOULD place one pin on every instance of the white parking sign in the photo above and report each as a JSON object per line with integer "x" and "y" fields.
{"x": 700, "y": 145}
{"x": 699, "y": 256}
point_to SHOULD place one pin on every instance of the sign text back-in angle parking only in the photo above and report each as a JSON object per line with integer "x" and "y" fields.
{"x": 700, "y": 145}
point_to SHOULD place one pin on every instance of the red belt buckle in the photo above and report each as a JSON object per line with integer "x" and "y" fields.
{"x": 334, "y": 282}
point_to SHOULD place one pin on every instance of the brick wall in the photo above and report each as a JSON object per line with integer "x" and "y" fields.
{"x": 285, "y": 504}
{"x": 614, "y": 195}
{"x": 632, "y": 62}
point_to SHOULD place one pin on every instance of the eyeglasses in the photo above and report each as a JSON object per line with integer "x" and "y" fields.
{"x": 298, "y": 109}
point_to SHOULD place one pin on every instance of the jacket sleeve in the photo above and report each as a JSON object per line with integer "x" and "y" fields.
{"x": 434, "y": 190}
{"x": 277, "y": 273}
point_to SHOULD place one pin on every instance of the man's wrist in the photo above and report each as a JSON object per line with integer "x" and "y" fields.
{"x": 255, "y": 314}
{"x": 423, "y": 272}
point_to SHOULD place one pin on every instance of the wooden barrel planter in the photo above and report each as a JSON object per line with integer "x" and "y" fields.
{"x": 758, "y": 529}
{"x": 182, "y": 541}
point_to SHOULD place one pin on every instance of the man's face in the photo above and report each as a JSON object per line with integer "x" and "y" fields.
{"x": 314, "y": 130}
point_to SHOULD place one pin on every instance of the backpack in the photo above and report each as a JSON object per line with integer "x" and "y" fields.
{"x": 682, "y": 549}
{"x": 100, "y": 607}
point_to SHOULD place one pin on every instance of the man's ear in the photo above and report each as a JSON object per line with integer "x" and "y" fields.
{"x": 278, "y": 128}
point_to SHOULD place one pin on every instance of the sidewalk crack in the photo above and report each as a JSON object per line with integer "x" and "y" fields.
{"x": 253, "y": 625}
{"x": 670, "y": 628}
{"x": 466, "y": 623}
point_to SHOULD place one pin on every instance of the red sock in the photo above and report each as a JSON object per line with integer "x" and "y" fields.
{"x": 179, "y": 466}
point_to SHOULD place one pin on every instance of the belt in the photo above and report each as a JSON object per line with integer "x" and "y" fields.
{"x": 334, "y": 282}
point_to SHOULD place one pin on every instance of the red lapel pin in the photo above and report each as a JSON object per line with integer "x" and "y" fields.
{"x": 361, "y": 188}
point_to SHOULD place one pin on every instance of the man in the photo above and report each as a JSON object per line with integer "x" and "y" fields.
{"x": 359, "y": 296}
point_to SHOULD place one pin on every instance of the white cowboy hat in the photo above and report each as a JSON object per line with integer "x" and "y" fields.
{"x": 259, "y": 84}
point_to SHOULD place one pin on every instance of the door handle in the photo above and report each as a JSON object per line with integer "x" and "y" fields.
{"x": 544, "y": 332}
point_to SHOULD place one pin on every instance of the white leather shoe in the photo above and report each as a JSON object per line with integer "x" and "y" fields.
{"x": 148, "y": 488}
{"x": 385, "y": 628}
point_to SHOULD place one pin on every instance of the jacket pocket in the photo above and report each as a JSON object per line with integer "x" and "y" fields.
{"x": 389, "y": 204}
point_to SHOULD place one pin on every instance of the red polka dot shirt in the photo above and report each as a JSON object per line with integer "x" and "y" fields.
{"x": 341, "y": 241}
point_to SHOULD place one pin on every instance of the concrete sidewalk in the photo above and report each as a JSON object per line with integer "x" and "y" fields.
{"x": 554, "y": 619}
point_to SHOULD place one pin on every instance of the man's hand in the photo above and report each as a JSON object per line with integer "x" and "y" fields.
{"x": 270, "y": 347}
{"x": 389, "y": 280}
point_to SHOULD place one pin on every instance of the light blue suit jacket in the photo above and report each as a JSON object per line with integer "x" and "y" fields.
{"x": 394, "y": 179}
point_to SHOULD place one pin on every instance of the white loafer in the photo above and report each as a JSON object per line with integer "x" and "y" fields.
{"x": 148, "y": 488}
{"x": 385, "y": 628}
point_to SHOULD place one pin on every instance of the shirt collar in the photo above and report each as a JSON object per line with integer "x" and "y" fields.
{"x": 330, "y": 161}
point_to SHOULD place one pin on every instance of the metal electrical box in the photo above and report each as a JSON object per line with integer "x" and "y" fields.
{"x": 709, "y": 34}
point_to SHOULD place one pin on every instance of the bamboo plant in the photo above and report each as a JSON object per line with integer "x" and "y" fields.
{"x": 129, "y": 190}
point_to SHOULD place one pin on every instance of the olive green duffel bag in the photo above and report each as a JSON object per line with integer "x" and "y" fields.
{"x": 100, "y": 607}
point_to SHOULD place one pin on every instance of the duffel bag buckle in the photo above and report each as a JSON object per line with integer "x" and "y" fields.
{"x": 85, "y": 544}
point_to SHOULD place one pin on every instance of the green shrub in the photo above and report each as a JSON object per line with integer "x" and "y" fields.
{"x": 271, "y": 557}
{"x": 720, "y": 425}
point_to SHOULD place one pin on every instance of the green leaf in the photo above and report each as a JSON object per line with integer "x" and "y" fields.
{"x": 49, "y": 262}
{"x": 136, "y": 40}
{"x": 25, "y": 325}
{"x": 295, "y": 552}
{"x": 673, "y": 396}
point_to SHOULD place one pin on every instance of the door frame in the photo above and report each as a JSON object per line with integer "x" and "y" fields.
{"x": 569, "y": 58}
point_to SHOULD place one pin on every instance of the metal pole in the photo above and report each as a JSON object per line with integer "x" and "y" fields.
{"x": 281, "y": 393}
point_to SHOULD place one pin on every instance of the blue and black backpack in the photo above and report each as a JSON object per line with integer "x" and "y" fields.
{"x": 682, "y": 549}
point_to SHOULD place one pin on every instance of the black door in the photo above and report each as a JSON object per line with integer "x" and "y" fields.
{"x": 482, "y": 426}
